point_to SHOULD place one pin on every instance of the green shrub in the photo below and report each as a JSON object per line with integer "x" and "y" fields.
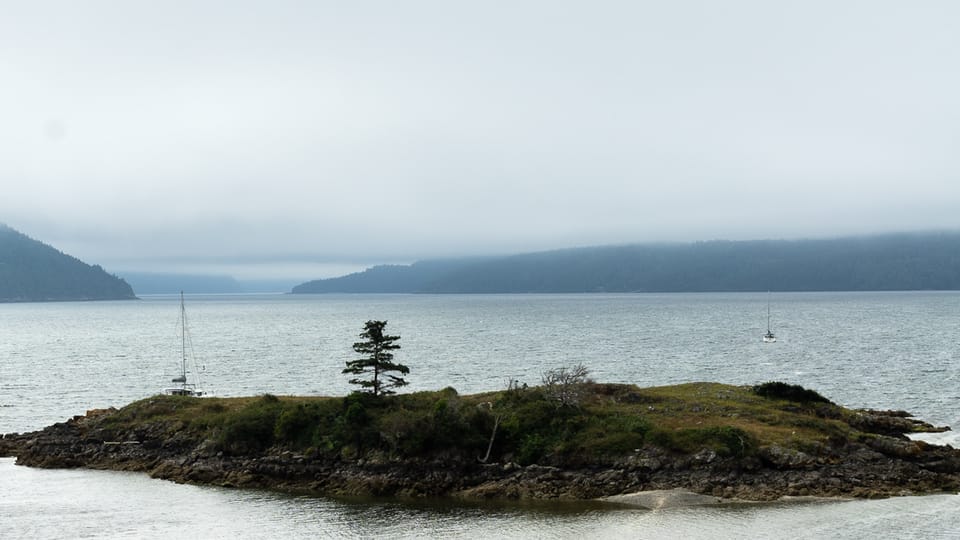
{"x": 534, "y": 430}
{"x": 213, "y": 407}
{"x": 789, "y": 392}
{"x": 461, "y": 427}
{"x": 355, "y": 414}
{"x": 406, "y": 432}
{"x": 296, "y": 425}
{"x": 420, "y": 423}
{"x": 518, "y": 395}
{"x": 531, "y": 415}
{"x": 533, "y": 448}
{"x": 440, "y": 408}
{"x": 349, "y": 422}
{"x": 612, "y": 435}
{"x": 250, "y": 430}
{"x": 724, "y": 440}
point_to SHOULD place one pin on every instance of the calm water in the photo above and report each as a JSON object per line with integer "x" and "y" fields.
{"x": 888, "y": 350}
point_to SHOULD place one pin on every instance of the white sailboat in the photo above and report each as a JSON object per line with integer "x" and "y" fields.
{"x": 769, "y": 337}
{"x": 185, "y": 388}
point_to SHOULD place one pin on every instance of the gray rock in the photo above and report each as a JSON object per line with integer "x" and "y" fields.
{"x": 786, "y": 458}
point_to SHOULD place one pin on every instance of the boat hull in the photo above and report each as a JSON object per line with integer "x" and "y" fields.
{"x": 182, "y": 392}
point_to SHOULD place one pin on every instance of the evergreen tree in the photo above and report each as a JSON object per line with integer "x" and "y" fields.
{"x": 378, "y": 360}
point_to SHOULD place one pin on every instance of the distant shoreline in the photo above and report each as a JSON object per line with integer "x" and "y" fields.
{"x": 905, "y": 261}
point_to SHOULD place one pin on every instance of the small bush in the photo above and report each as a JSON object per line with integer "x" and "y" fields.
{"x": 213, "y": 407}
{"x": 614, "y": 435}
{"x": 407, "y": 425}
{"x": 351, "y": 425}
{"x": 531, "y": 416}
{"x": 566, "y": 386}
{"x": 536, "y": 431}
{"x": 724, "y": 440}
{"x": 251, "y": 429}
{"x": 356, "y": 414}
{"x": 534, "y": 448}
{"x": 296, "y": 425}
{"x": 789, "y": 392}
{"x": 406, "y": 432}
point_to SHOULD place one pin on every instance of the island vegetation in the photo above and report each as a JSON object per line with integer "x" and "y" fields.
{"x": 31, "y": 271}
{"x": 575, "y": 440}
{"x": 377, "y": 361}
{"x": 919, "y": 261}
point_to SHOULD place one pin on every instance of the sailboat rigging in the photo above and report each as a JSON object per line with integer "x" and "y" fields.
{"x": 769, "y": 337}
{"x": 185, "y": 388}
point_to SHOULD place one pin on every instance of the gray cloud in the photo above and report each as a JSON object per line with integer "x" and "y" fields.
{"x": 340, "y": 133}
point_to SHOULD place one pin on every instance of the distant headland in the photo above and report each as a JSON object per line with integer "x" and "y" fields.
{"x": 31, "y": 271}
{"x": 696, "y": 443}
{"x": 889, "y": 262}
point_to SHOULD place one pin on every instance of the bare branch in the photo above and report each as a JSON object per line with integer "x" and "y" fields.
{"x": 565, "y": 385}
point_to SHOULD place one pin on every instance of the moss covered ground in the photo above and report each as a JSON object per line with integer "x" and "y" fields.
{"x": 528, "y": 425}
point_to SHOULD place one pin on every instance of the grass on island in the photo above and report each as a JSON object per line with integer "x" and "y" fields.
{"x": 603, "y": 423}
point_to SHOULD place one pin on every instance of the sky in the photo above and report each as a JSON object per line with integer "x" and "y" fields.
{"x": 306, "y": 139}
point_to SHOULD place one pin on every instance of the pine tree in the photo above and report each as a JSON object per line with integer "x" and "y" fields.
{"x": 378, "y": 360}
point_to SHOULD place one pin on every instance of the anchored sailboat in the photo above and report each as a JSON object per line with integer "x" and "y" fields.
{"x": 185, "y": 388}
{"x": 769, "y": 337}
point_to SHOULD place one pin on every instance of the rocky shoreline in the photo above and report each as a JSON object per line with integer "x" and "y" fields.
{"x": 884, "y": 465}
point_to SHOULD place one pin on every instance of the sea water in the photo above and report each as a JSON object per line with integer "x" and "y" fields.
{"x": 883, "y": 350}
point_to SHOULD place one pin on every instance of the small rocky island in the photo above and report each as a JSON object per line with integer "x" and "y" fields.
{"x": 582, "y": 441}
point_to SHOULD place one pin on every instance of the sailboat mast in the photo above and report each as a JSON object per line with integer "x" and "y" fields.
{"x": 768, "y": 312}
{"x": 184, "y": 388}
{"x": 183, "y": 341}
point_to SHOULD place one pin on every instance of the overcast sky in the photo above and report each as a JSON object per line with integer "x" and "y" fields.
{"x": 304, "y": 138}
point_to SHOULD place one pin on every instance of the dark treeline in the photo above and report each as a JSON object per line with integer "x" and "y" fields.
{"x": 31, "y": 271}
{"x": 417, "y": 277}
{"x": 915, "y": 261}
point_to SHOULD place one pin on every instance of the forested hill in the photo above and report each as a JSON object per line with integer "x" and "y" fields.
{"x": 31, "y": 271}
{"x": 418, "y": 277}
{"x": 915, "y": 261}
